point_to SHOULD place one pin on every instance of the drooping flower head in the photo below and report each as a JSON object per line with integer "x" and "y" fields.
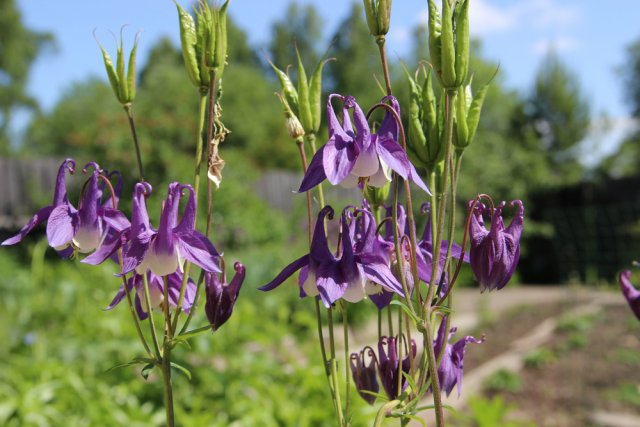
{"x": 353, "y": 153}
{"x": 631, "y": 294}
{"x": 495, "y": 253}
{"x": 452, "y": 365}
{"x": 156, "y": 292}
{"x": 220, "y": 296}
{"x": 59, "y": 199}
{"x": 163, "y": 250}
{"x": 389, "y": 364}
{"x": 365, "y": 376}
{"x": 330, "y": 276}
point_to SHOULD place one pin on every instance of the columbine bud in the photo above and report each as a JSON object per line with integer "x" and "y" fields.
{"x": 294, "y": 127}
{"x": 122, "y": 82}
{"x": 378, "y": 16}
{"x": 494, "y": 253}
{"x": 221, "y": 297}
{"x": 449, "y": 41}
{"x": 388, "y": 364}
{"x": 364, "y": 377}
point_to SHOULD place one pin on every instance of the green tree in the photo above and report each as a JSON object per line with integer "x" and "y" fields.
{"x": 302, "y": 27}
{"x": 357, "y": 60}
{"x": 19, "y": 47}
{"x": 557, "y": 115}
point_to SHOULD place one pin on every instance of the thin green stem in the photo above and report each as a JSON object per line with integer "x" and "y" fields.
{"x": 334, "y": 369}
{"x": 128, "y": 108}
{"x": 383, "y": 59}
{"x": 202, "y": 110}
{"x": 311, "y": 138}
{"x": 152, "y": 327}
{"x": 135, "y": 318}
{"x": 211, "y": 111}
{"x": 168, "y": 389}
{"x": 303, "y": 159}
{"x": 347, "y": 374}
{"x": 196, "y": 298}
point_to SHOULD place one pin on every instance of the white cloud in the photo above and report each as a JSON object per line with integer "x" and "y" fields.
{"x": 487, "y": 17}
{"x": 557, "y": 44}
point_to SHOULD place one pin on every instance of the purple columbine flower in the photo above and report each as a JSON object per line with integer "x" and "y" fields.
{"x": 163, "y": 250}
{"x": 353, "y": 152}
{"x": 59, "y": 199}
{"x": 495, "y": 253}
{"x": 452, "y": 365}
{"x": 156, "y": 292}
{"x": 631, "y": 294}
{"x": 220, "y": 296}
{"x": 389, "y": 364}
{"x": 330, "y": 277}
{"x": 364, "y": 376}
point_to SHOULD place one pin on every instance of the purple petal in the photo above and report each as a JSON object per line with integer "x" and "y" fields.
{"x": 315, "y": 172}
{"x": 135, "y": 251}
{"x": 631, "y": 294}
{"x": 286, "y": 273}
{"x": 62, "y": 225}
{"x": 338, "y": 159}
{"x": 40, "y": 216}
{"x": 109, "y": 246}
{"x": 189, "y": 217}
{"x": 195, "y": 247}
{"x": 60, "y": 191}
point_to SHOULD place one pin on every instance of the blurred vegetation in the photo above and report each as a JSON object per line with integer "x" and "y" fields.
{"x": 59, "y": 343}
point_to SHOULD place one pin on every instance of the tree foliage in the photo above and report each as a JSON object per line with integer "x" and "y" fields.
{"x": 19, "y": 48}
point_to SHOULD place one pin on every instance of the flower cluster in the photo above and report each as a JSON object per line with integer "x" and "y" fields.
{"x": 97, "y": 228}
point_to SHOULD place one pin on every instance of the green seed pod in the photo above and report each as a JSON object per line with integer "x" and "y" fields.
{"x": 111, "y": 72}
{"x": 378, "y": 13}
{"x": 435, "y": 38}
{"x": 315, "y": 95}
{"x": 430, "y": 114}
{"x": 417, "y": 142}
{"x": 462, "y": 130}
{"x": 188, "y": 41}
{"x": 131, "y": 72}
{"x": 462, "y": 42}
{"x": 123, "y": 95}
{"x": 288, "y": 89}
{"x": 304, "y": 108}
{"x": 448, "y": 57}
{"x": 221, "y": 46}
{"x": 473, "y": 117}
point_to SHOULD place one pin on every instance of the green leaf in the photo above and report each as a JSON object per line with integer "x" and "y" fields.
{"x": 136, "y": 361}
{"x": 406, "y": 309}
{"x": 147, "y": 370}
{"x": 182, "y": 369}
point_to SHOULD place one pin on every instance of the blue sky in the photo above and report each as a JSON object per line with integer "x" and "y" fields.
{"x": 590, "y": 35}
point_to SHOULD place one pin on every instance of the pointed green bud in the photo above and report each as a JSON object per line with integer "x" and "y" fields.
{"x": 378, "y": 13}
{"x": 473, "y": 117}
{"x": 468, "y": 108}
{"x": 288, "y": 89}
{"x": 294, "y": 127}
{"x": 188, "y": 41}
{"x": 304, "y": 107}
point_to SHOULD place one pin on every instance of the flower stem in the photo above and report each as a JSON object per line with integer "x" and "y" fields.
{"x": 147, "y": 297}
{"x": 202, "y": 109}
{"x": 333, "y": 365}
{"x": 129, "y": 110}
{"x": 383, "y": 59}
{"x": 168, "y": 390}
{"x": 166, "y": 355}
{"x": 135, "y": 318}
{"x": 303, "y": 159}
{"x": 347, "y": 374}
